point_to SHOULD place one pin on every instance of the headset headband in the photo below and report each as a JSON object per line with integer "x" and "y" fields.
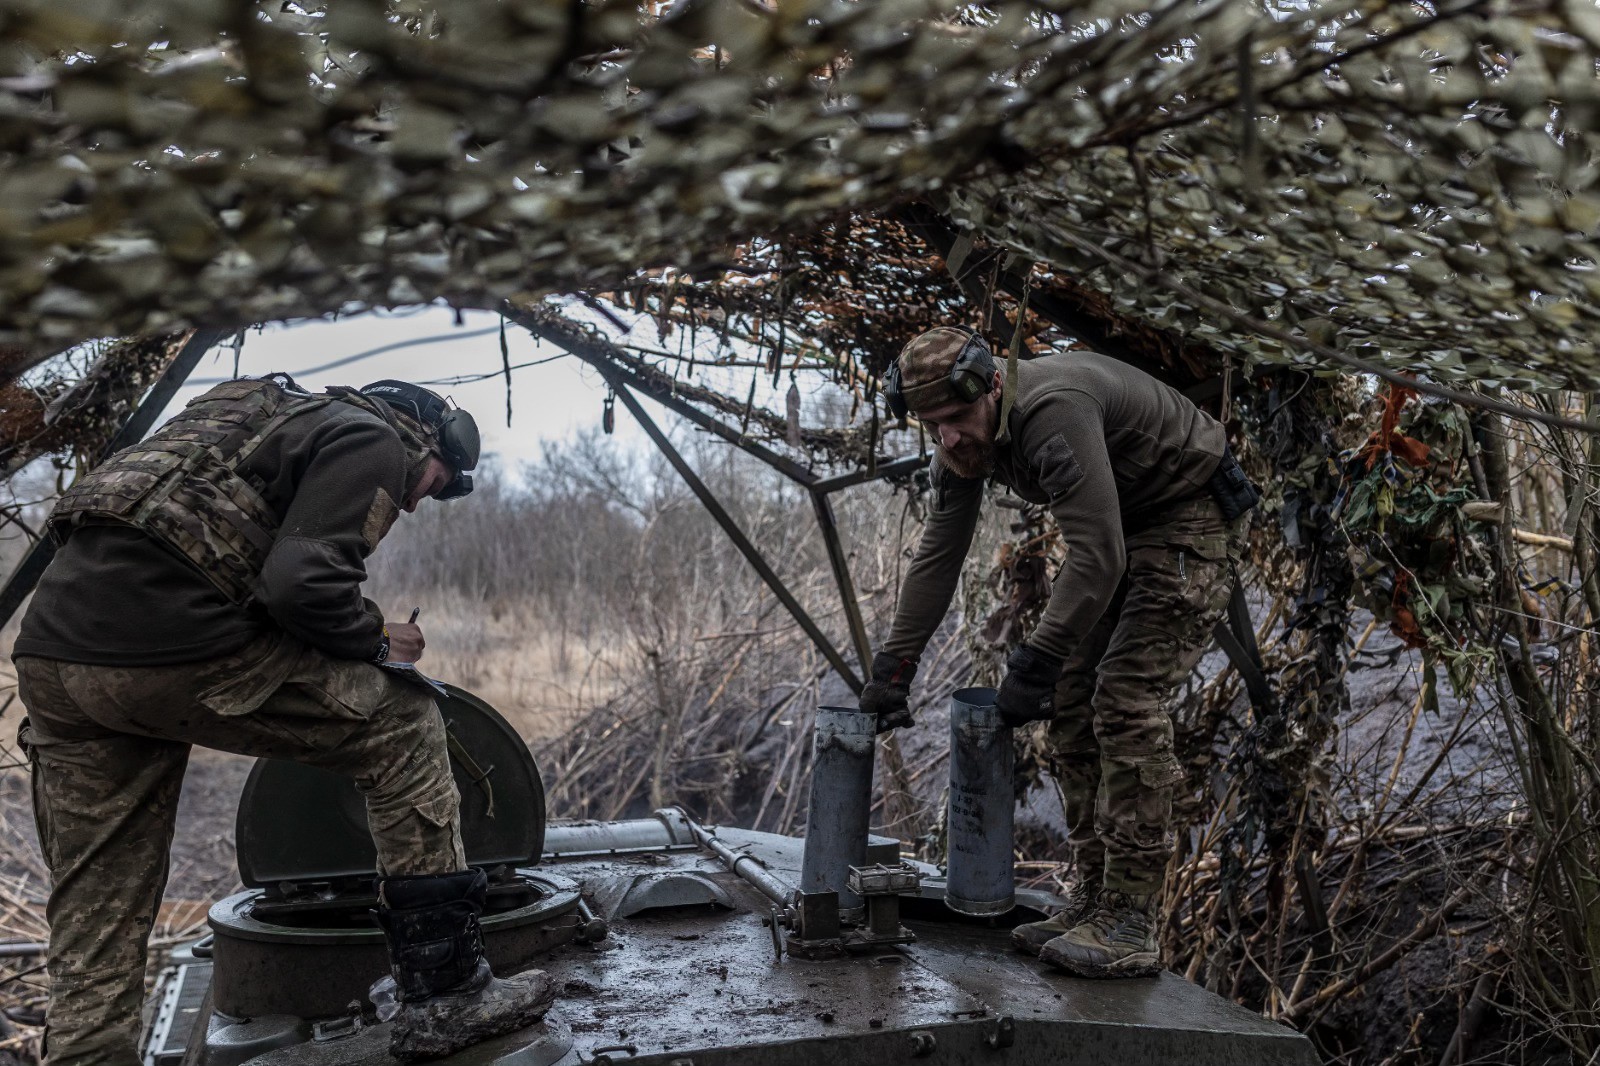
{"x": 456, "y": 430}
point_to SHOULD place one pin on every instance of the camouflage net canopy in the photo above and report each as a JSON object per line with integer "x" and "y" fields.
{"x": 1409, "y": 183}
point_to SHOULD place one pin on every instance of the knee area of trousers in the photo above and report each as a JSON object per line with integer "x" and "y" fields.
{"x": 412, "y": 727}
{"x": 412, "y": 710}
{"x": 1132, "y": 730}
{"x": 1133, "y": 692}
{"x": 1147, "y": 674}
{"x": 1074, "y": 762}
{"x": 430, "y": 809}
{"x": 402, "y": 769}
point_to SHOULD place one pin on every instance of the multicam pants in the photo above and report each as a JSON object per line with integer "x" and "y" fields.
{"x": 109, "y": 745}
{"x": 1111, "y": 738}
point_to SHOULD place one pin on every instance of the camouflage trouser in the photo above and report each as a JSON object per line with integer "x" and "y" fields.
{"x": 109, "y": 745}
{"x": 1111, "y": 739}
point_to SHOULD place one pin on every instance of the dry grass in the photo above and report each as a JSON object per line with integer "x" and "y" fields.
{"x": 541, "y": 678}
{"x": 24, "y": 883}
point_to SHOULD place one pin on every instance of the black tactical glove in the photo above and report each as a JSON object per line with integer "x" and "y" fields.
{"x": 887, "y": 694}
{"x": 1027, "y": 693}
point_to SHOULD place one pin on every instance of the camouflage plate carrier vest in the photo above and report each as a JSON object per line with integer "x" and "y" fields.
{"x": 182, "y": 485}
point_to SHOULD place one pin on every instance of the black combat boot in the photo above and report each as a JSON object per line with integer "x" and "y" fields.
{"x": 449, "y": 1000}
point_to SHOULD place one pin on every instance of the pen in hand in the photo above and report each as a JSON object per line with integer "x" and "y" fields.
{"x": 411, "y": 666}
{"x": 405, "y": 643}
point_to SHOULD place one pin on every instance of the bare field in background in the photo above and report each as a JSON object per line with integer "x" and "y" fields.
{"x": 516, "y": 658}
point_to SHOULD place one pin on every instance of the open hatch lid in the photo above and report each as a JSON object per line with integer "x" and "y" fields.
{"x": 302, "y": 823}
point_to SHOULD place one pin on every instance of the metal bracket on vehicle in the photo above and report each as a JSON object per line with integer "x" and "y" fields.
{"x": 880, "y": 885}
{"x": 814, "y": 925}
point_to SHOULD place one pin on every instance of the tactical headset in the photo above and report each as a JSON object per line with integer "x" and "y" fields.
{"x": 456, "y": 429}
{"x": 971, "y": 375}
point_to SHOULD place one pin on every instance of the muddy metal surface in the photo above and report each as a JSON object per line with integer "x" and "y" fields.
{"x": 699, "y": 984}
{"x": 703, "y": 987}
{"x": 689, "y": 974}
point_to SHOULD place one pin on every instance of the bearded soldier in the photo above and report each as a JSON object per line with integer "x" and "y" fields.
{"x": 1146, "y": 496}
{"x": 208, "y": 591}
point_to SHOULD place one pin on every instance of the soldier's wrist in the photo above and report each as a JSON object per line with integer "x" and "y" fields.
{"x": 892, "y": 669}
{"x": 382, "y": 654}
{"x": 1030, "y": 661}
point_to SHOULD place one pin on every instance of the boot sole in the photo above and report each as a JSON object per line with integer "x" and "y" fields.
{"x": 1141, "y": 964}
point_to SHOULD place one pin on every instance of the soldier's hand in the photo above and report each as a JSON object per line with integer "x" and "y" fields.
{"x": 405, "y": 642}
{"x": 888, "y": 694}
{"x": 1027, "y": 693}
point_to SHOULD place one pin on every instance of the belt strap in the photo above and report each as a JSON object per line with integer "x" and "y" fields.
{"x": 1237, "y": 637}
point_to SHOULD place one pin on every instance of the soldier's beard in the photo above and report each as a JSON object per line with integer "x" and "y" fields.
{"x": 971, "y": 460}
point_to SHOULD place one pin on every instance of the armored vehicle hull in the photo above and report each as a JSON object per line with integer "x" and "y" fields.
{"x": 689, "y": 977}
{"x": 670, "y": 943}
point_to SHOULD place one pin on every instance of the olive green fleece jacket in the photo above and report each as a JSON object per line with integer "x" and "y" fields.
{"x": 1105, "y": 447}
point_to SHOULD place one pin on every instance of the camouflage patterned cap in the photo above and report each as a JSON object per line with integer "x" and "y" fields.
{"x": 925, "y": 364}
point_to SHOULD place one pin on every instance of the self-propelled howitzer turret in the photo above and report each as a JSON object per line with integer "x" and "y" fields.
{"x": 671, "y": 943}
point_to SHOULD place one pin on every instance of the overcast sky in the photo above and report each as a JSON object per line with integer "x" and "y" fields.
{"x": 553, "y": 400}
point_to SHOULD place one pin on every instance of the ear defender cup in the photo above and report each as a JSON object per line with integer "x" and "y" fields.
{"x": 456, "y": 430}
{"x": 973, "y": 372}
{"x": 971, "y": 375}
{"x": 459, "y": 439}
{"x": 893, "y": 394}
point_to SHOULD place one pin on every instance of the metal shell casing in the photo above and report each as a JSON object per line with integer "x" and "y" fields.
{"x": 981, "y": 807}
{"x": 840, "y": 805}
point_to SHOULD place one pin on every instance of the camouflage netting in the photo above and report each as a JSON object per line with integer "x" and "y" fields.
{"x": 847, "y": 297}
{"x": 1203, "y": 188}
{"x": 1407, "y": 183}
